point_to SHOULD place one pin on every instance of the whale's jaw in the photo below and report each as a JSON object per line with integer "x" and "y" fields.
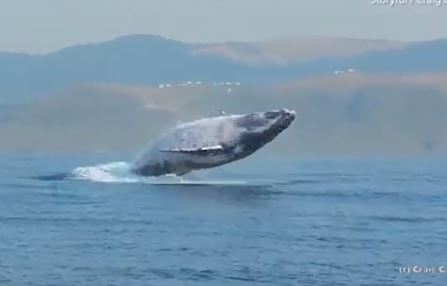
{"x": 284, "y": 120}
{"x": 251, "y": 141}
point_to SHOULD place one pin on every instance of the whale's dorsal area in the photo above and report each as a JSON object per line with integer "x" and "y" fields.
{"x": 211, "y": 142}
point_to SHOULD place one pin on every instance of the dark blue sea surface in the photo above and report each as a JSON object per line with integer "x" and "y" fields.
{"x": 258, "y": 222}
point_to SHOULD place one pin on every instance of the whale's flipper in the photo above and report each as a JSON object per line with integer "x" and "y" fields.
{"x": 215, "y": 150}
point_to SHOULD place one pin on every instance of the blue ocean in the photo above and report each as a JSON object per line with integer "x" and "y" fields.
{"x": 85, "y": 220}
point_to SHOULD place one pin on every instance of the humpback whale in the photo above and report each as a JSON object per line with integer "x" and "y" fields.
{"x": 211, "y": 142}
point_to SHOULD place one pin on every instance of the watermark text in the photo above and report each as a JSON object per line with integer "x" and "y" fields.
{"x": 423, "y": 269}
{"x": 394, "y": 3}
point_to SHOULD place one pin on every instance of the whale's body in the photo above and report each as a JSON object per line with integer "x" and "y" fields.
{"x": 211, "y": 142}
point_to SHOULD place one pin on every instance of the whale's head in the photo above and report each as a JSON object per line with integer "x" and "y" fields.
{"x": 258, "y": 129}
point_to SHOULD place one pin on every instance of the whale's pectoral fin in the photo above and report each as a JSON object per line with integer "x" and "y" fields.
{"x": 214, "y": 150}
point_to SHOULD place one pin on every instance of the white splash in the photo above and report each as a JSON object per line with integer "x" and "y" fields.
{"x": 114, "y": 172}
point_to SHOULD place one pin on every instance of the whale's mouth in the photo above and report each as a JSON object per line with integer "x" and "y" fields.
{"x": 285, "y": 119}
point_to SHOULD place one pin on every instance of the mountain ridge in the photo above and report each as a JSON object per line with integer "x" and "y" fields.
{"x": 149, "y": 59}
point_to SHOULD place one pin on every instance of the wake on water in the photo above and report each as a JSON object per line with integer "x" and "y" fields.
{"x": 120, "y": 172}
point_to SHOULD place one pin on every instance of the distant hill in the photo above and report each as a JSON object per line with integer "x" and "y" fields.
{"x": 294, "y": 50}
{"x": 423, "y": 57}
{"x": 350, "y": 114}
{"x": 149, "y": 60}
{"x": 127, "y": 60}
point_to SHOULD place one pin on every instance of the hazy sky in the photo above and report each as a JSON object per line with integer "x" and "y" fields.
{"x": 40, "y": 26}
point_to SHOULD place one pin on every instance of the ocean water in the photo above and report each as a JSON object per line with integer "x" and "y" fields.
{"x": 68, "y": 221}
